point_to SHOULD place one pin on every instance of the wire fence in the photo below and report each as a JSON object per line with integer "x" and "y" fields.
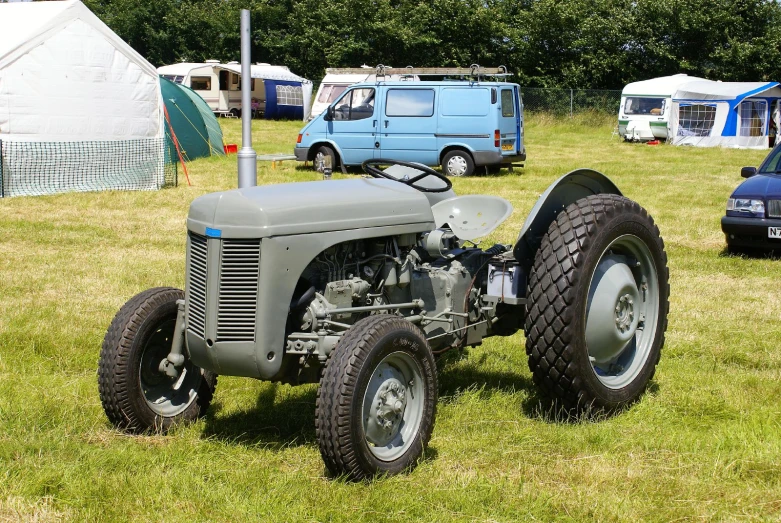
{"x": 37, "y": 168}
{"x": 568, "y": 102}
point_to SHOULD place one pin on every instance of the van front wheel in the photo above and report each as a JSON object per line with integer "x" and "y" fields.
{"x": 321, "y": 153}
{"x": 458, "y": 163}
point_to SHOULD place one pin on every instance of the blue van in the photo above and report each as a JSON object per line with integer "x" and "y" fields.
{"x": 460, "y": 125}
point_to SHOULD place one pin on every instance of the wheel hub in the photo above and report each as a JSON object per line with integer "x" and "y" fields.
{"x": 456, "y": 166}
{"x": 389, "y": 408}
{"x": 625, "y": 312}
{"x": 611, "y": 317}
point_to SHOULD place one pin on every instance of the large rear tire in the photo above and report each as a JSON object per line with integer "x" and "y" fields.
{"x": 136, "y": 396}
{"x": 598, "y": 306}
{"x": 377, "y": 399}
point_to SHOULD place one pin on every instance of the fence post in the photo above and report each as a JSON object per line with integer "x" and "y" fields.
{"x": 571, "y": 96}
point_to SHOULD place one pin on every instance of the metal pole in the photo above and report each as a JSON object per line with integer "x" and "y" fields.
{"x": 570, "y": 102}
{"x": 248, "y": 159}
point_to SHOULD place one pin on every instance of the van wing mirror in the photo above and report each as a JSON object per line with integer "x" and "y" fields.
{"x": 748, "y": 172}
{"x": 329, "y": 113}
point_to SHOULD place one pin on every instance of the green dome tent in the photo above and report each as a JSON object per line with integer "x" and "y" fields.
{"x": 194, "y": 125}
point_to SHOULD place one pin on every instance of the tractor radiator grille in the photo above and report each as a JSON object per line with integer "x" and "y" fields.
{"x": 196, "y": 286}
{"x": 774, "y": 208}
{"x": 238, "y": 290}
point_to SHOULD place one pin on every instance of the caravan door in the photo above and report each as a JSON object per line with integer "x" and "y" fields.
{"x": 224, "y": 100}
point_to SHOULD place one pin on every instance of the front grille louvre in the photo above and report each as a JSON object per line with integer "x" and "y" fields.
{"x": 238, "y": 290}
{"x": 774, "y": 208}
{"x": 196, "y": 286}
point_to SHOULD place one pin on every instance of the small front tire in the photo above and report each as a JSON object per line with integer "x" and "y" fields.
{"x": 136, "y": 396}
{"x": 377, "y": 399}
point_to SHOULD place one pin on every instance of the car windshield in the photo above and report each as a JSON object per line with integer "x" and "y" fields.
{"x": 772, "y": 163}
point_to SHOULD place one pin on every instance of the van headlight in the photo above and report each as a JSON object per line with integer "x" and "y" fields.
{"x": 746, "y": 205}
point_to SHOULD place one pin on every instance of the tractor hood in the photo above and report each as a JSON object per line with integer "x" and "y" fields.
{"x": 310, "y": 207}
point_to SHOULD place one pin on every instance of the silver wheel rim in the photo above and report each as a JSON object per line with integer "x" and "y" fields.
{"x": 622, "y": 311}
{"x": 166, "y": 396}
{"x": 456, "y": 166}
{"x": 319, "y": 161}
{"x": 393, "y": 406}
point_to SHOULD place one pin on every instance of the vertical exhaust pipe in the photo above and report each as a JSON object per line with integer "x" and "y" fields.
{"x": 247, "y": 157}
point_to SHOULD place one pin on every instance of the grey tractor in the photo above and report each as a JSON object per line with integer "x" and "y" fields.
{"x": 360, "y": 284}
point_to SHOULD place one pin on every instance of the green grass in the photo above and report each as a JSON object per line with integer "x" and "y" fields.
{"x": 704, "y": 443}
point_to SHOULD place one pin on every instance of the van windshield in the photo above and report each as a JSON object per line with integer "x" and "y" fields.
{"x": 329, "y": 93}
{"x": 644, "y": 105}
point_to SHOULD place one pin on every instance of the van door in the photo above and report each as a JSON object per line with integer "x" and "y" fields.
{"x": 408, "y": 126}
{"x": 354, "y": 126}
{"x": 510, "y": 120}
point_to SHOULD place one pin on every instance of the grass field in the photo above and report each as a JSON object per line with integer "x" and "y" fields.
{"x": 704, "y": 443}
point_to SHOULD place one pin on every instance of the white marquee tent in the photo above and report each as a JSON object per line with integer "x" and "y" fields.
{"x": 67, "y": 77}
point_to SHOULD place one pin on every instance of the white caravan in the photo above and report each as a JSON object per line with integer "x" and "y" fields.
{"x": 645, "y": 109}
{"x": 276, "y": 92}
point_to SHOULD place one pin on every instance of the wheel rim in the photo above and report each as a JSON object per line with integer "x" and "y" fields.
{"x": 319, "y": 161}
{"x": 165, "y": 395}
{"x": 622, "y": 311}
{"x": 456, "y": 166}
{"x": 393, "y": 406}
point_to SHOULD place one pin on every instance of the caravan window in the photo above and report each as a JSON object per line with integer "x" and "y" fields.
{"x": 752, "y": 117}
{"x": 290, "y": 95}
{"x": 696, "y": 119}
{"x": 174, "y": 78}
{"x": 644, "y": 105}
{"x": 201, "y": 83}
{"x": 329, "y": 93}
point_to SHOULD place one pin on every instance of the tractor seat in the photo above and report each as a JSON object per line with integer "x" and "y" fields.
{"x": 471, "y": 216}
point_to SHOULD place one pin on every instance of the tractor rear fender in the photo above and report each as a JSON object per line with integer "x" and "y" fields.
{"x": 571, "y": 187}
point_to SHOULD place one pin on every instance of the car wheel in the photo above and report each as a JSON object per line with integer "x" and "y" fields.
{"x": 458, "y": 163}
{"x": 321, "y": 153}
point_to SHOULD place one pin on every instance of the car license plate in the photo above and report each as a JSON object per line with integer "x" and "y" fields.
{"x": 507, "y": 147}
{"x": 774, "y": 232}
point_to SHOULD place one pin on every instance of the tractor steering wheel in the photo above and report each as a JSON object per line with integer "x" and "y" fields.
{"x": 371, "y": 167}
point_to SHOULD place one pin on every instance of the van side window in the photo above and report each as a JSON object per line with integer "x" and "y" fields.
{"x": 357, "y": 104}
{"x": 508, "y": 107}
{"x": 201, "y": 83}
{"x": 410, "y": 102}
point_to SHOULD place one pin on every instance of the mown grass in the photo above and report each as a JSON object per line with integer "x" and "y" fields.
{"x": 704, "y": 442}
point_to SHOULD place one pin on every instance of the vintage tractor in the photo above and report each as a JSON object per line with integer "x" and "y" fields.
{"x": 359, "y": 285}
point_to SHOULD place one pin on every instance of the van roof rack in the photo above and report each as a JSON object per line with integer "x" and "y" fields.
{"x": 473, "y": 71}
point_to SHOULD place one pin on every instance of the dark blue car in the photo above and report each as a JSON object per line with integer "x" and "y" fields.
{"x": 753, "y": 219}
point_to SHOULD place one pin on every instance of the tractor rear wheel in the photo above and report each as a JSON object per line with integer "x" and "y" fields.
{"x": 598, "y": 305}
{"x": 377, "y": 399}
{"x": 136, "y": 396}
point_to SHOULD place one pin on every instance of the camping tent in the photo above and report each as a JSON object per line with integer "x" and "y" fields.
{"x": 729, "y": 114}
{"x": 79, "y": 108}
{"x": 276, "y": 92}
{"x": 196, "y": 129}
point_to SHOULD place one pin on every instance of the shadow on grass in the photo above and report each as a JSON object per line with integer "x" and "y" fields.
{"x": 751, "y": 253}
{"x": 536, "y": 405}
{"x": 272, "y": 423}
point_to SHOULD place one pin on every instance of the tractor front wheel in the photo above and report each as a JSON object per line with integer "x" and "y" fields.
{"x": 377, "y": 399}
{"x": 136, "y": 396}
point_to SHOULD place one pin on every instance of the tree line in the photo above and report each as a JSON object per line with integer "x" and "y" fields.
{"x": 583, "y": 44}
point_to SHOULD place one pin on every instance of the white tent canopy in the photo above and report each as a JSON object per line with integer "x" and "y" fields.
{"x": 65, "y": 75}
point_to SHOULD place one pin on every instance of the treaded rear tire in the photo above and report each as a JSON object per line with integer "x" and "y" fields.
{"x": 121, "y": 355}
{"x": 339, "y": 423}
{"x": 559, "y": 284}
